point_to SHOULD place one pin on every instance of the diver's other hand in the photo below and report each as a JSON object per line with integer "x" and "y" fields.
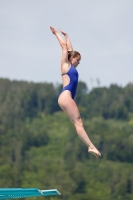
{"x": 53, "y": 30}
{"x": 64, "y": 33}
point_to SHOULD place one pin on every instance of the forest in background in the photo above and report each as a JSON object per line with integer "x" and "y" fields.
{"x": 39, "y": 147}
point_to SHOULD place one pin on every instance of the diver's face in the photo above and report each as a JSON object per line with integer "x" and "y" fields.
{"x": 76, "y": 61}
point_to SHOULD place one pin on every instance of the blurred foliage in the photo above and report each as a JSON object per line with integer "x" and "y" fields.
{"x": 39, "y": 147}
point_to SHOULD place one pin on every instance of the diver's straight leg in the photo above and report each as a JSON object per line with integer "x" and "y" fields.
{"x": 70, "y": 108}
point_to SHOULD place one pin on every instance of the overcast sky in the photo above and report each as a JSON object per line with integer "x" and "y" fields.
{"x": 101, "y": 30}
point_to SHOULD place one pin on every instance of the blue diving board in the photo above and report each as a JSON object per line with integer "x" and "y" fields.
{"x": 11, "y": 193}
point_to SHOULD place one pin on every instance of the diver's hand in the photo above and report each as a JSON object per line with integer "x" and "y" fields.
{"x": 53, "y": 30}
{"x": 64, "y": 33}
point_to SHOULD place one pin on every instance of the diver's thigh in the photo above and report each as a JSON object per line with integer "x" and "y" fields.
{"x": 72, "y": 111}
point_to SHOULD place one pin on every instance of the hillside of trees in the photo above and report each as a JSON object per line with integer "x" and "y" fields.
{"x": 39, "y": 147}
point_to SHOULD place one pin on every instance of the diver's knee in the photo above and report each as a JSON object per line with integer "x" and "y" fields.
{"x": 78, "y": 122}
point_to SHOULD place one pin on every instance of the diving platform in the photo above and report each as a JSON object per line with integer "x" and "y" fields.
{"x": 12, "y": 193}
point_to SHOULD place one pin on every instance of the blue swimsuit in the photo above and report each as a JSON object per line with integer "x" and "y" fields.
{"x": 72, "y": 86}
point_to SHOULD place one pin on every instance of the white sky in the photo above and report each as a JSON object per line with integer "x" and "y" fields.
{"x": 101, "y": 30}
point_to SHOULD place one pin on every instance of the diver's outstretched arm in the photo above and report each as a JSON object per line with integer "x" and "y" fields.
{"x": 68, "y": 42}
{"x": 64, "y": 58}
{"x": 61, "y": 41}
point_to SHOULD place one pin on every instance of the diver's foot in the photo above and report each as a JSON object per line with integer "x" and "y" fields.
{"x": 94, "y": 151}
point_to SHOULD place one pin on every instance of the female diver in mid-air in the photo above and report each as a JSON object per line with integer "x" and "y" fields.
{"x": 69, "y": 61}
